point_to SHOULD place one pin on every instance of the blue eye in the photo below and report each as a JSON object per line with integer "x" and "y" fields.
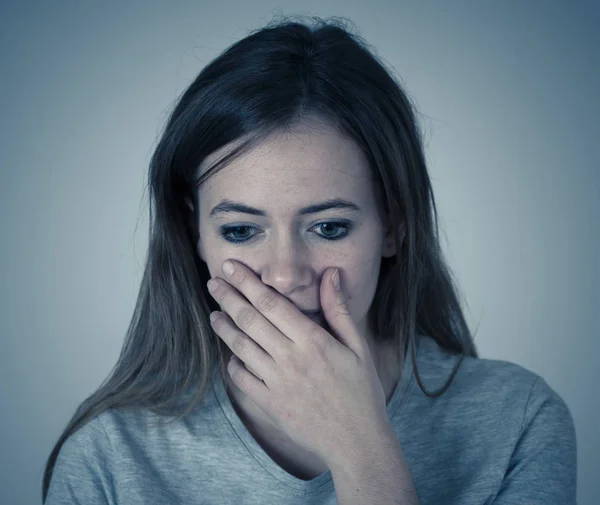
{"x": 232, "y": 233}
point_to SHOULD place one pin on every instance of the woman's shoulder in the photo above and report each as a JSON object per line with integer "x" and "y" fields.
{"x": 492, "y": 387}
{"x": 436, "y": 364}
{"x": 136, "y": 424}
{"x": 497, "y": 424}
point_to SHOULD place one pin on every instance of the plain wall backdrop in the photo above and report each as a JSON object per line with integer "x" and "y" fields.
{"x": 508, "y": 97}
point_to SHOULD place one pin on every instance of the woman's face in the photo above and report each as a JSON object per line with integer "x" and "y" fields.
{"x": 286, "y": 248}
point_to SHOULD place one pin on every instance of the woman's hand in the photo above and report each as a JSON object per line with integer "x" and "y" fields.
{"x": 322, "y": 390}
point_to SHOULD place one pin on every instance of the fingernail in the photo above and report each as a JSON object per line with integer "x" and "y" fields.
{"x": 212, "y": 285}
{"x": 335, "y": 279}
{"x": 228, "y": 268}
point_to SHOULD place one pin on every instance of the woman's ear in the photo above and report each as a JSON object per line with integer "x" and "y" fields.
{"x": 389, "y": 243}
{"x": 193, "y": 225}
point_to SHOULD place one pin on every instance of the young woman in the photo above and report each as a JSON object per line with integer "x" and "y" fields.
{"x": 296, "y": 156}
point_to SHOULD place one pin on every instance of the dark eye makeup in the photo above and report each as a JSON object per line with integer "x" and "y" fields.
{"x": 229, "y": 232}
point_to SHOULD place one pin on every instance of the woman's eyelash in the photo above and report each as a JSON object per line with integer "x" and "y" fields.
{"x": 227, "y": 231}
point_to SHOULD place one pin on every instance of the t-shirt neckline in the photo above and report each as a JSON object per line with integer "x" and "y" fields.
{"x": 324, "y": 480}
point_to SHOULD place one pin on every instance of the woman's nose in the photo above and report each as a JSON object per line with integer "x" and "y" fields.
{"x": 287, "y": 277}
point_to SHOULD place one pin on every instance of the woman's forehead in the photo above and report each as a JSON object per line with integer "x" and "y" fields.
{"x": 281, "y": 197}
{"x": 295, "y": 161}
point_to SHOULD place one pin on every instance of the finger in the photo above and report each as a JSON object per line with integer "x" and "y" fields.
{"x": 337, "y": 313}
{"x": 247, "y": 318}
{"x": 246, "y": 381}
{"x": 258, "y": 362}
{"x": 277, "y": 309}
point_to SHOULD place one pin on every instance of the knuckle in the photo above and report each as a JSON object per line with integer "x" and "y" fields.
{"x": 267, "y": 302}
{"x": 285, "y": 356}
{"x": 239, "y": 346}
{"x": 315, "y": 342}
{"x": 247, "y": 317}
{"x": 222, "y": 293}
{"x": 341, "y": 308}
{"x": 315, "y": 335}
{"x": 238, "y": 376}
{"x": 300, "y": 367}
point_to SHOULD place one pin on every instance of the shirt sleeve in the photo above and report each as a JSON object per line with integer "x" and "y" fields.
{"x": 83, "y": 472}
{"x": 543, "y": 466}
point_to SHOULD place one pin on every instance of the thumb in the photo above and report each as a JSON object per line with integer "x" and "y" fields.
{"x": 337, "y": 312}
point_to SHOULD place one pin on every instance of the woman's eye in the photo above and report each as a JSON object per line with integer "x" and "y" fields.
{"x": 236, "y": 235}
{"x": 333, "y": 236}
{"x": 227, "y": 233}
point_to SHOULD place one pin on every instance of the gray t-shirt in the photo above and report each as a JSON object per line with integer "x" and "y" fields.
{"x": 498, "y": 435}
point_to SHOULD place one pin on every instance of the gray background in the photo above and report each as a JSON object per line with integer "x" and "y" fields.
{"x": 508, "y": 93}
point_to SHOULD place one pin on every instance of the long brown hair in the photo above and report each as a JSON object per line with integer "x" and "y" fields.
{"x": 266, "y": 82}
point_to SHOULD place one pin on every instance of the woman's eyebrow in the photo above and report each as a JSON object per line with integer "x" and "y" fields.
{"x": 228, "y": 207}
